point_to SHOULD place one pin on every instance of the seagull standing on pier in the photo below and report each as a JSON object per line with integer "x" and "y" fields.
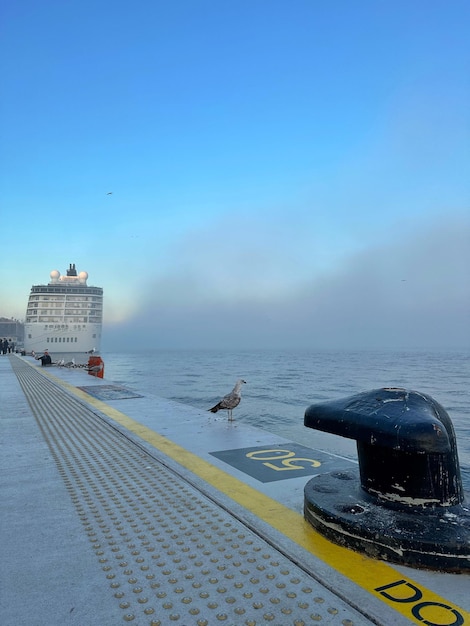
{"x": 230, "y": 401}
{"x": 95, "y": 369}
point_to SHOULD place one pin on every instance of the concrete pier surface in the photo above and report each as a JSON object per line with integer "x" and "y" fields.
{"x": 118, "y": 507}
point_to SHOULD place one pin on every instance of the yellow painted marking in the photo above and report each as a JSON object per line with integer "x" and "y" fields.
{"x": 409, "y": 598}
{"x": 288, "y": 463}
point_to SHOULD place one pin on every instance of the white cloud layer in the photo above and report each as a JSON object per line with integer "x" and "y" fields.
{"x": 411, "y": 290}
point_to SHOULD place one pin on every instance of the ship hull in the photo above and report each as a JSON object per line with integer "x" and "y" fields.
{"x": 59, "y": 341}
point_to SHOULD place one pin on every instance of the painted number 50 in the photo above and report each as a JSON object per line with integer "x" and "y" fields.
{"x": 286, "y": 459}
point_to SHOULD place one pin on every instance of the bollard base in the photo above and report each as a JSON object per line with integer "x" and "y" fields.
{"x": 435, "y": 538}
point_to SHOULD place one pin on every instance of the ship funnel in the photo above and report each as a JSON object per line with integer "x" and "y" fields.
{"x": 72, "y": 271}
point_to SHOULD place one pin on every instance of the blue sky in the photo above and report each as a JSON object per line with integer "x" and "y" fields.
{"x": 284, "y": 174}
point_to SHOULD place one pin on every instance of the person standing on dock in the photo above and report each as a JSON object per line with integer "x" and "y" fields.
{"x": 45, "y": 358}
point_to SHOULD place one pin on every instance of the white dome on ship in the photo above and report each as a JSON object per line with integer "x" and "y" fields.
{"x": 55, "y": 275}
{"x": 82, "y": 277}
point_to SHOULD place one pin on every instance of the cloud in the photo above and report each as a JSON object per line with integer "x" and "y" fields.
{"x": 409, "y": 289}
{"x": 241, "y": 256}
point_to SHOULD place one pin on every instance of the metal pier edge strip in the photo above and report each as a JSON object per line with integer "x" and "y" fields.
{"x": 406, "y": 504}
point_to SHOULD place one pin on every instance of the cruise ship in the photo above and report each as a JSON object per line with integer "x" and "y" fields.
{"x": 65, "y": 315}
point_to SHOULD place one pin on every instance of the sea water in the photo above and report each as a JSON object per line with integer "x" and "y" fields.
{"x": 282, "y": 384}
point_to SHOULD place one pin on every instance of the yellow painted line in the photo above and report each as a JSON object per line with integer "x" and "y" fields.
{"x": 378, "y": 578}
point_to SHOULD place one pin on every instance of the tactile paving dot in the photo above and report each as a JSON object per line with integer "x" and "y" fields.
{"x": 167, "y": 553}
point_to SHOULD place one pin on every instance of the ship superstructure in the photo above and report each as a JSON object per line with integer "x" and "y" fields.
{"x": 65, "y": 315}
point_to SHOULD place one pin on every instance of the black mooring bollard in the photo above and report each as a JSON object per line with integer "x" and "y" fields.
{"x": 407, "y": 503}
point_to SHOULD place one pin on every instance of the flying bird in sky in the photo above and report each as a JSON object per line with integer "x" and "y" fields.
{"x": 110, "y": 193}
{"x": 230, "y": 401}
